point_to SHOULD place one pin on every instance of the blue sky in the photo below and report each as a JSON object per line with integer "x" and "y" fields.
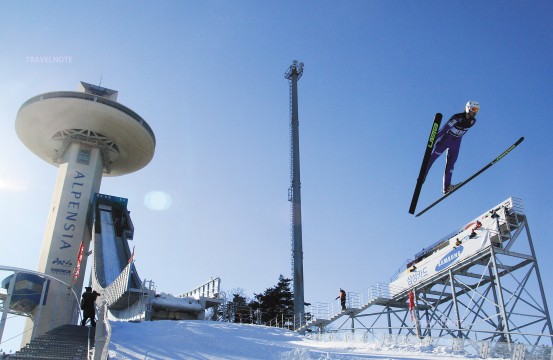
{"x": 208, "y": 78}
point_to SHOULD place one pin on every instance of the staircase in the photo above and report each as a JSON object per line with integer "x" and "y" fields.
{"x": 67, "y": 342}
{"x": 323, "y": 314}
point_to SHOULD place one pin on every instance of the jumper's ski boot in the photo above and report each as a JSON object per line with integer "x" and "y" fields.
{"x": 449, "y": 188}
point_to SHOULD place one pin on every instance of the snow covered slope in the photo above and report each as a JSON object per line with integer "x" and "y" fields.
{"x": 215, "y": 340}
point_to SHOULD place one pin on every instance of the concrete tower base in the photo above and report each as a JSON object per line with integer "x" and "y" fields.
{"x": 79, "y": 178}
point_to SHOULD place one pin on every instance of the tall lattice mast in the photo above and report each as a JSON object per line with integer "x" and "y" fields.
{"x": 293, "y": 74}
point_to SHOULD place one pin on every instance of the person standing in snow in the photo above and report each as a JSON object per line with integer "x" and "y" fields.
{"x": 449, "y": 138}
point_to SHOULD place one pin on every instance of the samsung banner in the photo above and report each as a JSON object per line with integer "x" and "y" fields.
{"x": 475, "y": 237}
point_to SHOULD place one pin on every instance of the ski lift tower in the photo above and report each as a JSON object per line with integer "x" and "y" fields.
{"x": 293, "y": 74}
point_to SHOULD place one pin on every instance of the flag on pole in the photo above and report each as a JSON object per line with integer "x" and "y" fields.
{"x": 78, "y": 266}
{"x": 411, "y": 305}
{"x": 132, "y": 256}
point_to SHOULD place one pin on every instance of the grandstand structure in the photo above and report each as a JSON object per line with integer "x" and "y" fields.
{"x": 481, "y": 283}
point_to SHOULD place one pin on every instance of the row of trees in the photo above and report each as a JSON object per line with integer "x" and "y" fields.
{"x": 274, "y": 302}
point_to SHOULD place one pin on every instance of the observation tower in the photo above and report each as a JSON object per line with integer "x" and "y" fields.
{"x": 87, "y": 134}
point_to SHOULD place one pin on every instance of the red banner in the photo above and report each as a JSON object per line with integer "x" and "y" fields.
{"x": 411, "y": 304}
{"x": 132, "y": 256}
{"x": 78, "y": 267}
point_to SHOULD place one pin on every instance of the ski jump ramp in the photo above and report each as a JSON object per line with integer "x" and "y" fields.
{"x": 116, "y": 278}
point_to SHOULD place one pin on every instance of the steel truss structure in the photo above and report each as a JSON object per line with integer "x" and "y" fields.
{"x": 495, "y": 295}
{"x": 110, "y": 150}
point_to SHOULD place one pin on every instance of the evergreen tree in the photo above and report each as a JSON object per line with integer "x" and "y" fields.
{"x": 238, "y": 310}
{"x": 242, "y": 312}
{"x": 275, "y": 301}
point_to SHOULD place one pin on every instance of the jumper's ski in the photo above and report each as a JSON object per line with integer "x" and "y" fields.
{"x": 458, "y": 186}
{"x": 429, "y": 147}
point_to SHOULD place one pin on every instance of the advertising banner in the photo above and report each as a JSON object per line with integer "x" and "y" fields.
{"x": 468, "y": 242}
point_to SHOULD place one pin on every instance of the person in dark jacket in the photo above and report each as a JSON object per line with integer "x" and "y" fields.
{"x": 449, "y": 138}
{"x": 88, "y": 307}
{"x": 342, "y": 298}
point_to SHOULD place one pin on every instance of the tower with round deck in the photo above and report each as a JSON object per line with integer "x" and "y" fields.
{"x": 87, "y": 134}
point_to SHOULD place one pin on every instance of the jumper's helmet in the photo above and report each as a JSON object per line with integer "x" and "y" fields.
{"x": 472, "y": 108}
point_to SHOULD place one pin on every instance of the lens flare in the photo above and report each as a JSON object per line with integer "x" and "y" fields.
{"x": 157, "y": 200}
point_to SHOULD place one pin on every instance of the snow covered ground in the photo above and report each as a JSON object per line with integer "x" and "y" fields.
{"x": 216, "y": 340}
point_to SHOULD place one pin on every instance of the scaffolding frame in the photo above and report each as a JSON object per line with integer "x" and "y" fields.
{"x": 494, "y": 296}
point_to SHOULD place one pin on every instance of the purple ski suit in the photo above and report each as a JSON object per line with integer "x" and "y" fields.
{"x": 449, "y": 137}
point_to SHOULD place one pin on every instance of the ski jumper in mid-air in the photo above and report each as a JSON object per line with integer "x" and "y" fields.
{"x": 449, "y": 138}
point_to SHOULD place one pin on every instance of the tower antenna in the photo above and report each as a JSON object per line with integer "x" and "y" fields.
{"x": 293, "y": 74}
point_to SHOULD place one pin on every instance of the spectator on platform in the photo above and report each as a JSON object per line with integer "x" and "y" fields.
{"x": 342, "y": 297}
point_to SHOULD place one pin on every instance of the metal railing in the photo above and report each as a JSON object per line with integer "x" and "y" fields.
{"x": 103, "y": 333}
{"x": 354, "y": 301}
{"x": 75, "y": 315}
{"x": 381, "y": 338}
{"x": 211, "y": 289}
